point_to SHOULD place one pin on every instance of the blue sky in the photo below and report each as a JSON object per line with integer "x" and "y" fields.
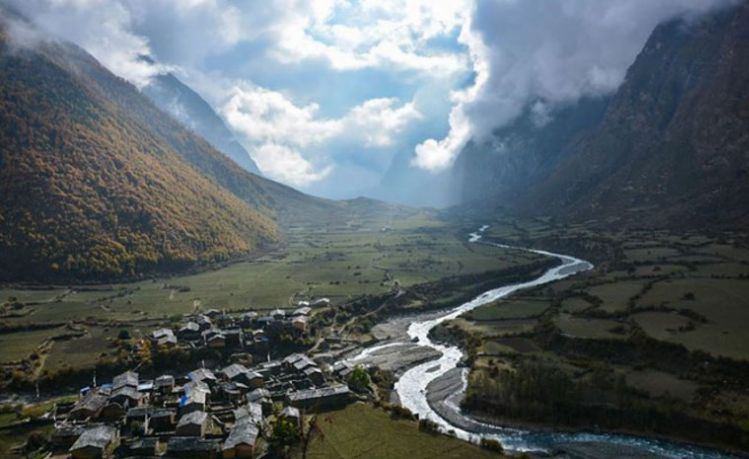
{"x": 325, "y": 93}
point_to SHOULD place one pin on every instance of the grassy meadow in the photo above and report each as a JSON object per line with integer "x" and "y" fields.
{"x": 361, "y": 430}
{"x": 656, "y": 327}
{"x": 366, "y": 253}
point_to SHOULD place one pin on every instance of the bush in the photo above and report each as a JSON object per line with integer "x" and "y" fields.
{"x": 492, "y": 445}
{"x": 124, "y": 334}
{"x": 284, "y": 435}
{"x": 399, "y": 412}
{"x": 429, "y": 426}
{"x": 359, "y": 379}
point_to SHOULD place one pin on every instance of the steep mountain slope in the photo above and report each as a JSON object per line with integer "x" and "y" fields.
{"x": 260, "y": 193}
{"x": 90, "y": 191}
{"x": 528, "y": 149}
{"x": 179, "y": 100}
{"x": 673, "y": 145}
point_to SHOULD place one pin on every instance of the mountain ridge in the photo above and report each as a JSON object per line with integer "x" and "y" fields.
{"x": 89, "y": 192}
{"x": 171, "y": 95}
{"x": 671, "y": 147}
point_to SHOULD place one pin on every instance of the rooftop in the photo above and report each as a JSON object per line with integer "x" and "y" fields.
{"x": 97, "y": 437}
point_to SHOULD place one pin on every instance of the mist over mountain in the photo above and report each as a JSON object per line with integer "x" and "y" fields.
{"x": 669, "y": 146}
{"x": 98, "y": 183}
{"x": 186, "y": 105}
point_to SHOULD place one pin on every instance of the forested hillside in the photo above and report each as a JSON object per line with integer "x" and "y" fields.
{"x": 93, "y": 191}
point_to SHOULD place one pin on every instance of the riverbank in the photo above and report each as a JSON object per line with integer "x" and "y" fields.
{"x": 425, "y": 390}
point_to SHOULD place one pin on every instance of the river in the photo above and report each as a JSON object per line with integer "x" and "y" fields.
{"x": 412, "y": 392}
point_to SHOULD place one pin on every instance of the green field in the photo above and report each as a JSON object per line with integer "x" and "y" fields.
{"x": 363, "y": 431}
{"x": 369, "y": 253}
{"x": 641, "y": 327}
{"x": 521, "y": 308}
{"x": 18, "y": 345}
{"x": 584, "y": 327}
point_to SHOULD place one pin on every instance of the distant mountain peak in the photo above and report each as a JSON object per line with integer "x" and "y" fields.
{"x": 171, "y": 95}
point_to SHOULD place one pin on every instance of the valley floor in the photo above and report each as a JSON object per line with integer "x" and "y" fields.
{"x": 652, "y": 340}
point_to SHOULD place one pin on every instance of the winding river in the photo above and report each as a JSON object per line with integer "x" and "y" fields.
{"x": 412, "y": 385}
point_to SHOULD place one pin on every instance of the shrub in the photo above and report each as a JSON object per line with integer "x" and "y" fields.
{"x": 399, "y": 412}
{"x": 492, "y": 445}
{"x": 429, "y": 426}
{"x": 359, "y": 379}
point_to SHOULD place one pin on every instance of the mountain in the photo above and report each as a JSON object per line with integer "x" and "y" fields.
{"x": 90, "y": 191}
{"x": 671, "y": 146}
{"x": 169, "y": 94}
{"x": 524, "y": 151}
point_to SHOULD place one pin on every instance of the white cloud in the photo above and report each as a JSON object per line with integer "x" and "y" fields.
{"x": 287, "y": 165}
{"x": 553, "y": 52}
{"x": 263, "y": 115}
{"x": 271, "y": 123}
{"x": 352, "y": 35}
{"x": 376, "y": 121}
{"x": 100, "y": 27}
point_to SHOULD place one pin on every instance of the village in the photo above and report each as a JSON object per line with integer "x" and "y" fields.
{"x": 238, "y": 408}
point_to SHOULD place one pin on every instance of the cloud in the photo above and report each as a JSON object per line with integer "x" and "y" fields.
{"x": 329, "y": 86}
{"x": 288, "y": 165}
{"x": 272, "y": 124}
{"x": 335, "y": 89}
{"x": 545, "y": 53}
{"x": 100, "y": 27}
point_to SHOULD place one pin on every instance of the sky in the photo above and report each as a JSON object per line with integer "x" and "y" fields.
{"x": 330, "y": 96}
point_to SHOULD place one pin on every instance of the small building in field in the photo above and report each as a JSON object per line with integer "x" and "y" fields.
{"x": 299, "y": 323}
{"x": 164, "y": 384}
{"x": 192, "y": 448}
{"x": 126, "y": 379}
{"x": 65, "y": 435}
{"x": 144, "y": 447}
{"x": 194, "y": 424}
{"x": 164, "y": 337}
{"x": 235, "y": 372}
{"x": 234, "y": 337}
{"x": 189, "y": 332}
{"x": 216, "y": 341}
{"x": 89, "y": 406}
{"x": 315, "y": 375}
{"x": 263, "y": 397}
{"x": 202, "y": 375}
{"x": 162, "y": 420}
{"x": 251, "y": 411}
{"x": 319, "y": 399}
{"x": 95, "y": 442}
{"x": 194, "y": 399}
{"x": 241, "y": 440}
{"x": 112, "y": 412}
{"x": 303, "y": 311}
{"x": 204, "y": 322}
{"x": 126, "y": 396}
{"x": 254, "y": 380}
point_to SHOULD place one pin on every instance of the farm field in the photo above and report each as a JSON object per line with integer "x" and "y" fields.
{"x": 367, "y": 254}
{"x": 658, "y": 310}
{"x": 361, "y": 430}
